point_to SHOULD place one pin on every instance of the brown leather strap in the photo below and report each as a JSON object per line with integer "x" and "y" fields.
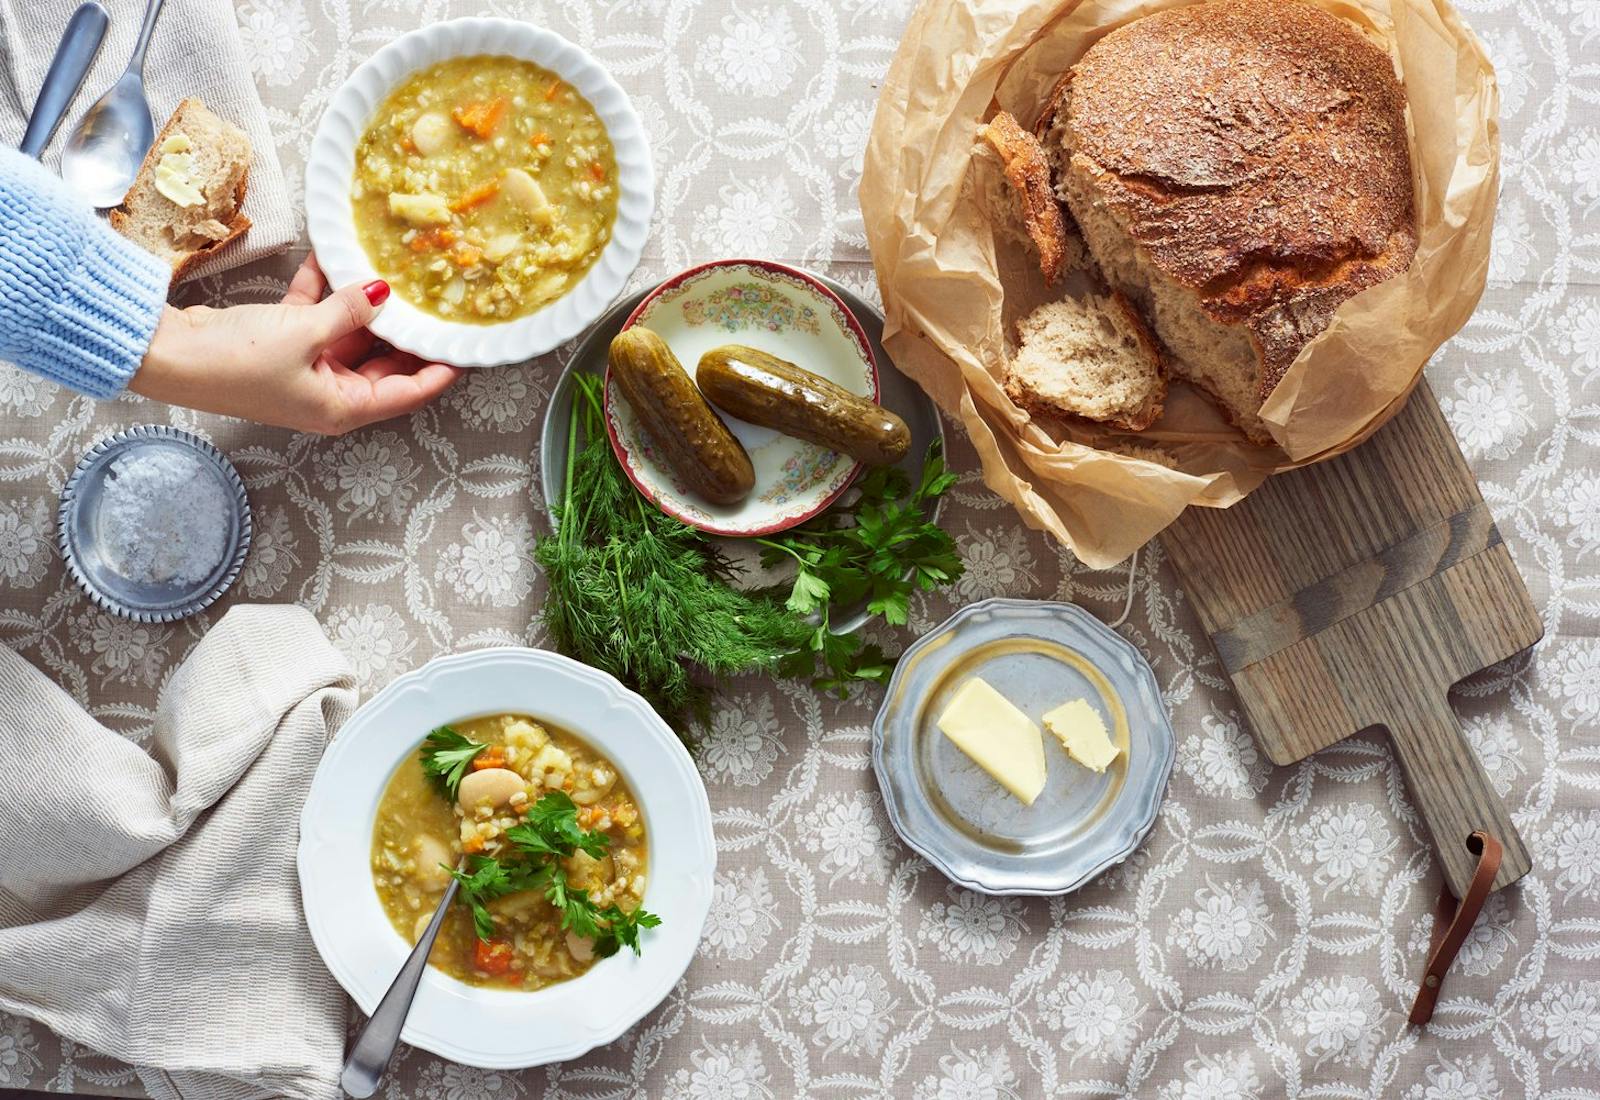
{"x": 1452, "y": 922}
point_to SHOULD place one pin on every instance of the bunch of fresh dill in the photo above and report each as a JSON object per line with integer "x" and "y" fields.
{"x": 641, "y": 595}
{"x": 648, "y": 599}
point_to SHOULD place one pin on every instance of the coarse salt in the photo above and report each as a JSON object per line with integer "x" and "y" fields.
{"x": 163, "y": 517}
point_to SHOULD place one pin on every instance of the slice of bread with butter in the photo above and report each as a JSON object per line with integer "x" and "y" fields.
{"x": 187, "y": 200}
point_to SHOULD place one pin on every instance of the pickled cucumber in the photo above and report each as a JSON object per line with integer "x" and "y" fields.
{"x": 687, "y": 433}
{"x": 763, "y": 389}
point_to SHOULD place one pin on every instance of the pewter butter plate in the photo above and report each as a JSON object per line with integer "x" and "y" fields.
{"x": 1038, "y": 655}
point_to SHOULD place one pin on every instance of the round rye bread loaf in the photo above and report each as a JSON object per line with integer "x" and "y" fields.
{"x": 1238, "y": 169}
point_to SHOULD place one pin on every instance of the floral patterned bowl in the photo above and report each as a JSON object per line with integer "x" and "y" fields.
{"x": 781, "y": 311}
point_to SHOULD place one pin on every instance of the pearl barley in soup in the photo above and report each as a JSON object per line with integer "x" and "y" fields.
{"x": 485, "y": 188}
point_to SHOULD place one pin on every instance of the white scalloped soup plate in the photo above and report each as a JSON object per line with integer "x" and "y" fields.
{"x": 330, "y": 170}
{"x": 498, "y": 1028}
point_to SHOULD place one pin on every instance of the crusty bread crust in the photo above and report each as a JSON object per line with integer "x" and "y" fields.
{"x": 1256, "y": 150}
{"x": 1027, "y": 169}
{"x": 237, "y": 225}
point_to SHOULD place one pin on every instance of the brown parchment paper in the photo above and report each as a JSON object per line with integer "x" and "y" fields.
{"x": 955, "y": 273}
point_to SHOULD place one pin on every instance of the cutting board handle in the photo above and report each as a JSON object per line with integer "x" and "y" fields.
{"x": 1453, "y": 793}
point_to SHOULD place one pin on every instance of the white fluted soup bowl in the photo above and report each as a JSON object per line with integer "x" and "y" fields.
{"x": 474, "y": 1025}
{"x": 330, "y": 172}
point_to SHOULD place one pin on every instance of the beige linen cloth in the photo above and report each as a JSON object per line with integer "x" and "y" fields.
{"x": 196, "y": 51}
{"x": 149, "y": 906}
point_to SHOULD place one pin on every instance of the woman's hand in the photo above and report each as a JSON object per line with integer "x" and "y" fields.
{"x": 306, "y": 363}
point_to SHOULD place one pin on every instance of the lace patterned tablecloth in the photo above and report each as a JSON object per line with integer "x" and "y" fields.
{"x": 1265, "y": 940}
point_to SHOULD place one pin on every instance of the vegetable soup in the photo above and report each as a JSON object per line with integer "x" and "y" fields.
{"x": 485, "y": 187}
{"x": 548, "y": 843}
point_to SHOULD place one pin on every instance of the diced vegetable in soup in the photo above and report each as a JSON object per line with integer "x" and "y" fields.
{"x": 485, "y": 187}
{"x": 550, "y": 846}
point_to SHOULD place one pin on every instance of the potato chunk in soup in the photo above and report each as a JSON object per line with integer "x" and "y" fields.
{"x": 485, "y": 188}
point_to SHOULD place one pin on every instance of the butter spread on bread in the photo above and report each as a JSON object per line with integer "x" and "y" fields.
{"x": 187, "y": 200}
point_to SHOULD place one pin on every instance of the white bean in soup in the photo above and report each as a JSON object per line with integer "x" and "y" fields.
{"x": 492, "y": 787}
{"x": 433, "y": 859}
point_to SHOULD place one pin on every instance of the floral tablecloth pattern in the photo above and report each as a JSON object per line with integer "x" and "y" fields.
{"x": 1265, "y": 940}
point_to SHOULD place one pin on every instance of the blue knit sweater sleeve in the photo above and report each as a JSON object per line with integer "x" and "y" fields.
{"x": 78, "y": 303}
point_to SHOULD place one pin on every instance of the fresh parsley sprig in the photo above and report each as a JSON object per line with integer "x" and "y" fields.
{"x": 877, "y": 549}
{"x": 549, "y": 835}
{"x": 446, "y": 755}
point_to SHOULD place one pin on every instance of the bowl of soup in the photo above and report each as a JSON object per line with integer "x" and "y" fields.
{"x": 494, "y": 175}
{"x": 576, "y": 820}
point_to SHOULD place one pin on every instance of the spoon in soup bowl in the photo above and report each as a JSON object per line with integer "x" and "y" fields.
{"x": 370, "y": 1054}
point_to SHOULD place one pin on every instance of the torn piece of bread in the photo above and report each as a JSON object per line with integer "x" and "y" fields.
{"x": 187, "y": 201}
{"x": 1027, "y": 169}
{"x": 1091, "y": 358}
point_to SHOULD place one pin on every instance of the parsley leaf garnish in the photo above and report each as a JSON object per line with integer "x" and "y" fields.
{"x": 549, "y": 835}
{"x": 877, "y": 549}
{"x": 552, "y": 828}
{"x": 486, "y": 879}
{"x": 445, "y": 756}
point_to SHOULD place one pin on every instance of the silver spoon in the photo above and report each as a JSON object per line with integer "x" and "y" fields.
{"x": 79, "y": 43}
{"x": 373, "y": 1048}
{"x": 104, "y": 153}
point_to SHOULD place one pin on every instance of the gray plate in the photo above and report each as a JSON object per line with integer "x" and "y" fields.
{"x": 899, "y": 394}
{"x": 77, "y": 531}
{"x": 1038, "y": 655}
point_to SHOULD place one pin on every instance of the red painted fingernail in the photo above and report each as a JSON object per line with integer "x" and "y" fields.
{"x": 377, "y": 292}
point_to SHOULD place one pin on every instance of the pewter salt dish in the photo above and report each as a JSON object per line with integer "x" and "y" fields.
{"x": 154, "y": 524}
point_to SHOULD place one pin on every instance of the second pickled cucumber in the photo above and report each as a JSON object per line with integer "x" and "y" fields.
{"x": 775, "y": 393}
{"x": 686, "y": 431}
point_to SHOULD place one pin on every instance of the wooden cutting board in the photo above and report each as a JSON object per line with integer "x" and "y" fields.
{"x": 1352, "y": 594}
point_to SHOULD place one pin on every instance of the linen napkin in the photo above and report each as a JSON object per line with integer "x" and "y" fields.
{"x": 149, "y": 906}
{"x": 196, "y": 51}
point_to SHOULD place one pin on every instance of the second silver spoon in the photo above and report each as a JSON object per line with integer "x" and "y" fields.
{"x": 103, "y": 155}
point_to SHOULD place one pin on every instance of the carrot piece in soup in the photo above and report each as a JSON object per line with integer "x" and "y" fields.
{"x": 597, "y": 172}
{"x": 492, "y": 956}
{"x": 552, "y": 91}
{"x": 476, "y": 196}
{"x": 492, "y": 757}
{"x": 481, "y": 118}
{"x": 430, "y": 239}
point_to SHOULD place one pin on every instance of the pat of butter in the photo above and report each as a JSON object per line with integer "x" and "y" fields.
{"x": 998, "y": 737}
{"x": 1082, "y": 734}
{"x": 174, "y": 172}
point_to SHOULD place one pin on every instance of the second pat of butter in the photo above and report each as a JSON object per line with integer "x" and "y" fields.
{"x": 998, "y": 737}
{"x": 1082, "y": 734}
